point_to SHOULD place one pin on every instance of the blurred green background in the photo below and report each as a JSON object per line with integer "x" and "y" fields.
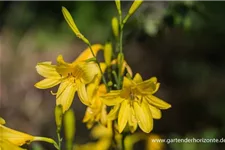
{"x": 181, "y": 43}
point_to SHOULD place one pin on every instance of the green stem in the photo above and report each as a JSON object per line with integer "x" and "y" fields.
{"x": 103, "y": 77}
{"x": 121, "y": 35}
{"x": 121, "y": 52}
{"x": 59, "y": 140}
{"x": 48, "y": 140}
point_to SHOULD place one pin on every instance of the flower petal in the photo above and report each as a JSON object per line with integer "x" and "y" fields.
{"x": 82, "y": 93}
{"x": 6, "y": 145}
{"x": 132, "y": 121}
{"x": 91, "y": 90}
{"x": 66, "y": 97}
{"x": 2, "y": 121}
{"x": 123, "y": 115}
{"x": 102, "y": 89}
{"x": 88, "y": 114}
{"x": 86, "y": 71}
{"x": 137, "y": 78}
{"x": 112, "y": 98}
{"x": 156, "y": 113}
{"x": 103, "y": 115}
{"x": 128, "y": 68}
{"x": 14, "y": 137}
{"x": 63, "y": 68}
{"x": 127, "y": 83}
{"x": 149, "y": 86}
{"x": 112, "y": 115}
{"x": 47, "y": 70}
{"x": 65, "y": 83}
{"x": 143, "y": 116}
{"x": 156, "y": 88}
{"x": 47, "y": 83}
{"x": 153, "y": 100}
{"x": 87, "y": 54}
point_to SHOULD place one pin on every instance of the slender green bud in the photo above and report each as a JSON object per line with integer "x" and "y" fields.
{"x": 136, "y": 4}
{"x": 120, "y": 58}
{"x": 118, "y": 6}
{"x": 108, "y": 53}
{"x": 115, "y": 26}
{"x": 58, "y": 117}
{"x": 72, "y": 24}
{"x": 69, "y": 126}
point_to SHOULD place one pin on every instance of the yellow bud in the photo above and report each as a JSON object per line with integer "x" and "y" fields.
{"x": 108, "y": 53}
{"x": 132, "y": 9}
{"x": 58, "y": 117}
{"x": 135, "y": 6}
{"x": 72, "y": 24}
{"x": 120, "y": 58}
{"x": 118, "y": 6}
{"x": 110, "y": 83}
{"x": 128, "y": 68}
{"x": 69, "y": 126}
{"x": 115, "y": 26}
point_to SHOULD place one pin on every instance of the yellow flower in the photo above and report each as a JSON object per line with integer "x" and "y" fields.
{"x": 135, "y": 104}
{"x": 97, "y": 110}
{"x": 72, "y": 77}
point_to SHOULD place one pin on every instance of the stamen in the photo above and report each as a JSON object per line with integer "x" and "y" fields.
{"x": 53, "y": 93}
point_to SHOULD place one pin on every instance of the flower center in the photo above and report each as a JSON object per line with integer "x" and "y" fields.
{"x": 134, "y": 96}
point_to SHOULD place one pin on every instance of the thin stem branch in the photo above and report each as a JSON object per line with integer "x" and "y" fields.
{"x": 120, "y": 51}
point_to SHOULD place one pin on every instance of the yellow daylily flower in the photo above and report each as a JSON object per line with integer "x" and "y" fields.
{"x": 72, "y": 77}
{"x": 96, "y": 112}
{"x": 135, "y": 104}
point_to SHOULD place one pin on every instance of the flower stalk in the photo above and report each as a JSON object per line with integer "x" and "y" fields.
{"x": 120, "y": 49}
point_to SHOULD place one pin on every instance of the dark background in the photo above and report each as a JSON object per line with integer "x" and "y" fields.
{"x": 181, "y": 43}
